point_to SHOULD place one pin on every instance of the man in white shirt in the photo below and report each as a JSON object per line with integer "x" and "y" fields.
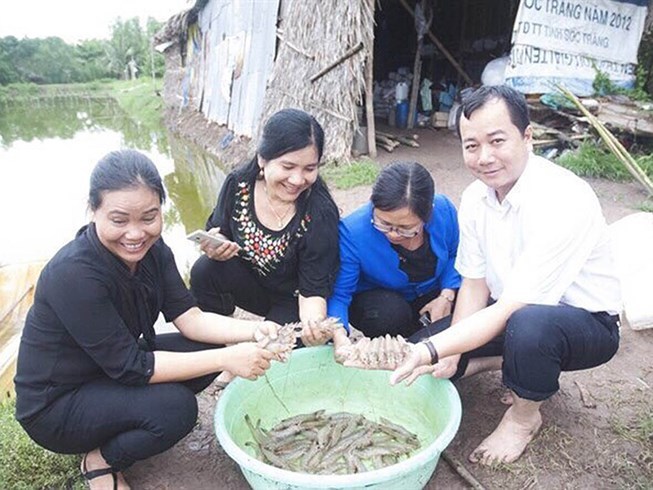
{"x": 539, "y": 293}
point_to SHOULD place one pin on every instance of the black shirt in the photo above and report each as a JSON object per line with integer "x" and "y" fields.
{"x": 419, "y": 264}
{"x": 303, "y": 256}
{"x": 88, "y": 313}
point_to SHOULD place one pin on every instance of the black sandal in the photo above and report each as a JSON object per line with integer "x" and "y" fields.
{"x": 90, "y": 475}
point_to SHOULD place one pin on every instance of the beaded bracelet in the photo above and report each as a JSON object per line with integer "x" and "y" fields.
{"x": 434, "y": 353}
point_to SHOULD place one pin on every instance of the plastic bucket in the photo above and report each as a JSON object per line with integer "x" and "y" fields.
{"x": 312, "y": 380}
{"x": 402, "y": 114}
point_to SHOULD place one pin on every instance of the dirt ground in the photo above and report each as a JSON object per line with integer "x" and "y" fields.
{"x": 594, "y": 433}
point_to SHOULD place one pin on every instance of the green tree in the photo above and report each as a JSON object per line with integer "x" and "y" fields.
{"x": 128, "y": 42}
{"x": 91, "y": 56}
{"x": 8, "y": 71}
{"x": 21, "y": 56}
{"x": 54, "y": 61}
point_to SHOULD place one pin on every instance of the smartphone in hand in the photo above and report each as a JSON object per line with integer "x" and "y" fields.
{"x": 198, "y": 235}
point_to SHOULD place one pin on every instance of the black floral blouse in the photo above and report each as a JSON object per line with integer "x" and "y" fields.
{"x": 301, "y": 258}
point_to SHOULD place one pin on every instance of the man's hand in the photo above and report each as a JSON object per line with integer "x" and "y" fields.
{"x": 416, "y": 365}
{"x": 447, "y": 367}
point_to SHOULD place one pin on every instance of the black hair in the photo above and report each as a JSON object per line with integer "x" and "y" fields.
{"x": 290, "y": 130}
{"x": 405, "y": 184}
{"x": 123, "y": 169}
{"x": 474, "y": 99}
{"x": 285, "y": 131}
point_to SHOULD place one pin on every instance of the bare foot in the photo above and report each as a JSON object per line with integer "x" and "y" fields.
{"x": 506, "y": 398}
{"x": 517, "y": 428}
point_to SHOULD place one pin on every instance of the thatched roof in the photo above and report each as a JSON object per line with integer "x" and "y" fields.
{"x": 175, "y": 30}
{"x": 312, "y": 35}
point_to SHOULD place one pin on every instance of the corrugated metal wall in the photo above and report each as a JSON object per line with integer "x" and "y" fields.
{"x": 233, "y": 58}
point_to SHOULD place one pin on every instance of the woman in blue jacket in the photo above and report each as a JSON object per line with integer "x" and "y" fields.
{"x": 397, "y": 256}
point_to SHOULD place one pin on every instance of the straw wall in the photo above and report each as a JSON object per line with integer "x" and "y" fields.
{"x": 312, "y": 34}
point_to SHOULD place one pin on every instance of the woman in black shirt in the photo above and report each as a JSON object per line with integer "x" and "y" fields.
{"x": 281, "y": 259}
{"x": 92, "y": 375}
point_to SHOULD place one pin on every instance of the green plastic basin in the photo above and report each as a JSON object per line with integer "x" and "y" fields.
{"x": 312, "y": 380}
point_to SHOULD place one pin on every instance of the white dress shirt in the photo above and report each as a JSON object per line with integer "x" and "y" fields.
{"x": 547, "y": 243}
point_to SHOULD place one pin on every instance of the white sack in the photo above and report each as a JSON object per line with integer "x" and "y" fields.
{"x": 632, "y": 239}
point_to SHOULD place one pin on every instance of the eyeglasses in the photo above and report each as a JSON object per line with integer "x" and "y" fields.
{"x": 399, "y": 231}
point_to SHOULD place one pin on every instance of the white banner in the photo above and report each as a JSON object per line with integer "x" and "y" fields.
{"x": 566, "y": 42}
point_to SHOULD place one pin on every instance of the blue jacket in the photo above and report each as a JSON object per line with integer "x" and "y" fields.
{"x": 368, "y": 261}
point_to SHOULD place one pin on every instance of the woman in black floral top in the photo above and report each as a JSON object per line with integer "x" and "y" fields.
{"x": 281, "y": 259}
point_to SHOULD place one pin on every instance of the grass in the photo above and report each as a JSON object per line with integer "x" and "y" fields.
{"x": 138, "y": 98}
{"x": 639, "y": 430}
{"x": 18, "y": 91}
{"x": 25, "y": 465}
{"x": 632, "y": 466}
{"x": 592, "y": 160}
{"x": 348, "y": 175}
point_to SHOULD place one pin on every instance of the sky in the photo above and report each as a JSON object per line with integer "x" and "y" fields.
{"x": 76, "y": 20}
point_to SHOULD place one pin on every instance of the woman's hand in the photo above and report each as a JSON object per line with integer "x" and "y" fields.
{"x": 437, "y": 308}
{"x": 312, "y": 334}
{"x": 342, "y": 345}
{"x": 265, "y": 330}
{"x": 247, "y": 360}
{"x": 222, "y": 252}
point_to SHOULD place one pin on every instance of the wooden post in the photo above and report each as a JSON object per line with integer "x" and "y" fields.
{"x": 414, "y": 89}
{"x": 463, "y": 33}
{"x": 369, "y": 104}
{"x": 369, "y": 95}
{"x": 441, "y": 47}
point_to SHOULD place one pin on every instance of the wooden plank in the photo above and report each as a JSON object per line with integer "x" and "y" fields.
{"x": 627, "y": 118}
{"x": 17, "y": 283}
{"x": 7, "y": 373}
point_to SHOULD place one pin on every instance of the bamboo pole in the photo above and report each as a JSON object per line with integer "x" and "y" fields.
{"x": 332, "y": 65}
{"x": 441, "y": 47}
{"x": 612, "y": 143}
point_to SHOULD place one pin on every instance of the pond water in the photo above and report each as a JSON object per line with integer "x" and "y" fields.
{"x": 47, "y": 151}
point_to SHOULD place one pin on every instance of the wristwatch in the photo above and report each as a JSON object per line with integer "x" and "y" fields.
{"x": 448, "y": 295}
